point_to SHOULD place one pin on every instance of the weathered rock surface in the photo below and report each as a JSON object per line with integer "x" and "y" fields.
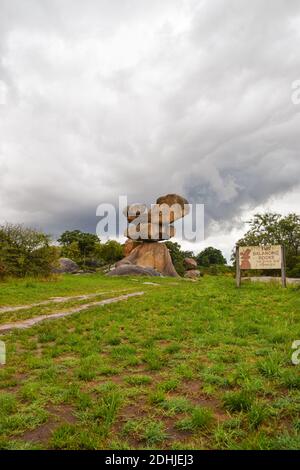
{"x": 133, "y": 270}
{"x": 155, "y": 224}
{"x": 66, "y": 265}
{"x": 192, "y": 273}
{"x": 149, "y": 232}
{"x": 155, "y": 255}
{"x": 190, "y": 263}
{"x": 135, "y": 210}
{"x": 129, "y": 246}
{"x": 178, "y": 203}
{"x": 122, "y": 262}
{"x": 160, "y": 211}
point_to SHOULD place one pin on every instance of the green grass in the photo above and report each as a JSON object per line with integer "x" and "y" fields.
{"x": 238, "y": 401}
{"x": 187, "y": 365}
{"x": 145, "y": 430}
{"x": 200, "y": 418}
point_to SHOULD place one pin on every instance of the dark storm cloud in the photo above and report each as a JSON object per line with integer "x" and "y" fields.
{"x": 141, "y": 98}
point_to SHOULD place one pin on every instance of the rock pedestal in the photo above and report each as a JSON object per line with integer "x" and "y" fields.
{"x": 129, "y": 246}
{"x": 151, "y": 255}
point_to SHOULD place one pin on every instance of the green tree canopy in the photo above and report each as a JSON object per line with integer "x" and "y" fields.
{"x": 25, "y": 251}
{"x": 274, "y": 229}
{"x": 111, "y": 251}
{"x": 86, "y": 242}
{"x": 211, "y": 256}
{"x": 87, "y": 250}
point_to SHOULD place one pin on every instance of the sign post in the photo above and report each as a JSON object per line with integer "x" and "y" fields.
{"x": 283, "y": 269}
{"x": 238, "y": 268}
{"x": 260, "y": 257}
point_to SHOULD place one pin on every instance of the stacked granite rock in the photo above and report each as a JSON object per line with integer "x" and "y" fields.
{"x": 145, "y": 230}
{"x": 191, "y": 268}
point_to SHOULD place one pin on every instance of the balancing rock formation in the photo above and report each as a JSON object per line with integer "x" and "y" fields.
{"x": 146, "y": 230}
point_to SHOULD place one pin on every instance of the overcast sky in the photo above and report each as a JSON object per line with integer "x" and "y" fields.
{"x": 102, "y": 98}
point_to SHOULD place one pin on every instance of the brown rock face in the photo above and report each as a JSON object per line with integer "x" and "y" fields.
{"x": 192, "y": 274}
{"x": 155, "y": 224}
{"x": 178, "y": 203}
{"x": 167, "y": 209}
{"x": 149, "y": 232}
{"x": 133, "y": 270}
{"x": 129, "y": 246}
{"x": 190, "y": 263}
{"x": 135, "y": 210}
{"x": 155, "y": 255}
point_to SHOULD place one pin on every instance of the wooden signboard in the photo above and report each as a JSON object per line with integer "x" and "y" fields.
{"x": 260, "y": 257}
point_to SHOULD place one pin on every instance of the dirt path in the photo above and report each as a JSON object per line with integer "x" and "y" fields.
{"x": 33, "y": 321}
{"x": 56, "y": 300}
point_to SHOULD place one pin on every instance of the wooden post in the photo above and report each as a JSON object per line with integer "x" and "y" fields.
{"x": 283, "y": 267}
{"x": 238, "y": 269}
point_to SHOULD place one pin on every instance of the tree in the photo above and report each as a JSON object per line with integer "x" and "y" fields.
{"x": 111, "y": 251}
{"x": 211, "y": 256}
{"x": 87, "y": 250}
{"x": 86, "y": 242}
{"x": 72, "y": 251}
{"x": 274, "y": 229}
{"x": 81, "y": 247}
{"x": 25, "y": 251}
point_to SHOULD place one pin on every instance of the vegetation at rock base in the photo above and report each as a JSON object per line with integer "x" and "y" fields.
{"x": 87, "y": 250}
{"x": 26, "y": 251}
{"x": 178, "y": 255}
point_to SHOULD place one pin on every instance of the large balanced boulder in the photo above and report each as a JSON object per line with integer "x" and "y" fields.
{"x": 149, "y": 232}
{"x": 145, "y": 230}
{"x": 155, "y": 255}
{"x": 155, "y": 224}
{"x": 135, "y": 210}
{"x": 190, "y": 263}
{"x": 167, "y": 209}
{"x": 178, "y": 204}
{"x": 66, "y": 266}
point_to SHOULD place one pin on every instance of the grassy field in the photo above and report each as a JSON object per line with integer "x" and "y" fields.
{"x": 188, "y": 365}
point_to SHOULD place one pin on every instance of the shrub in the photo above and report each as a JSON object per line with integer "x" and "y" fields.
{"x": 177, "y": 256}
{"x": 25, "y": 252}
